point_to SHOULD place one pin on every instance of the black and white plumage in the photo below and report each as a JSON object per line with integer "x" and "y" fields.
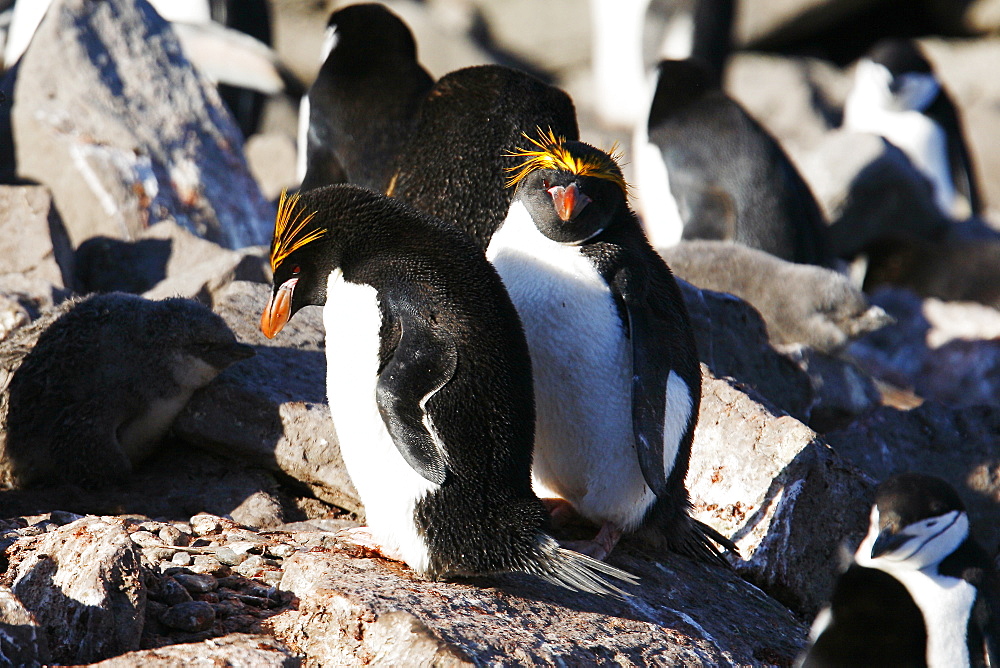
{"x": 919, "y": 535}
{"x": 455, "y": 164}
{"x": 429, "y": 385}
{"x": 89, "y": 389}
{"x": 617, "y": 377}
{"x": 708, "y": 170}
{"x": 897, "y": 95}
{"x": 362, "y": 105}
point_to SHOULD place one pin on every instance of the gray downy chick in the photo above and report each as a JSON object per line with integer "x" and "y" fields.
{"x": 90, "y": 388}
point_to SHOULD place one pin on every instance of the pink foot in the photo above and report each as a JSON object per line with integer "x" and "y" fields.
{"x": 600, "y": 547}
{"x": 561, "y": 512}
{"x": 360, "y": 542}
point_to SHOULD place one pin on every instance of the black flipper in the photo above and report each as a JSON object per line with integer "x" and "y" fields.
{"x": 423, "y": 362}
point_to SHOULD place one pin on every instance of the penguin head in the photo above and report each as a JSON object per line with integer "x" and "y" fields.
{"x": 572, "y": 190}
{"x": 297, "y": 262}
{"x": 917, "y": 520}
{"x": 366, "y": 29}
{"x": 896, "y": 76}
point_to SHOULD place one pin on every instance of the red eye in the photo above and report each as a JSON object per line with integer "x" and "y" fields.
{"x": 295, "y": 270}
{"x": 545, "y": 183}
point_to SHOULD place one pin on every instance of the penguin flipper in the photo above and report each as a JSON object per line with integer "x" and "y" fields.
{"x": 422, "y": 363}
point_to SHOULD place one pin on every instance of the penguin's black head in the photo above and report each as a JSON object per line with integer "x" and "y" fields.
{"x": 572, "y": 190}
{"x": 679, "y": 83}
{"x": 370, "y": 29}
{"x": 297, "y": 260}
{"x": 916, "y": 517}
{"x": 899, "y": 56}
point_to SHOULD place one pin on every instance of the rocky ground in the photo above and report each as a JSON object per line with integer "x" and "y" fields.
{"x": 125, "y": 172}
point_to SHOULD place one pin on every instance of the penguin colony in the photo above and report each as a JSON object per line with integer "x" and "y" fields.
{"x": 574, "y": 319}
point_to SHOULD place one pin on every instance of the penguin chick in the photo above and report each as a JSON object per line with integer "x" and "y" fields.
{"x": 91, "y": 388}
{"x": 919, "y": 535}
{"x": 617, "y": 378}
{"x": 823, "y": 311}
{"x": 429, "y": 386}
{"x": 710, "y": 171}
{"x": 362, "y": 105}
{"x": 897, "y": 95}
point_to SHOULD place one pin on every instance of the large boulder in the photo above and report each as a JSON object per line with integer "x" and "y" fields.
{"x": 110, "y": 115}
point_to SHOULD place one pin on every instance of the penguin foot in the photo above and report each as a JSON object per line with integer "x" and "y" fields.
{"x": 601, "y": 546}
{"x": 360, "y": 542}
{"x": 561, "y": 512}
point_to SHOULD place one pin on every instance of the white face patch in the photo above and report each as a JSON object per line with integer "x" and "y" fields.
{"x": 330, "y": 41}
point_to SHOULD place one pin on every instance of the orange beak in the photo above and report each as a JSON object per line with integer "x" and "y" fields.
{"x": 278, "y": 309}
{"x": 569, "y": 201}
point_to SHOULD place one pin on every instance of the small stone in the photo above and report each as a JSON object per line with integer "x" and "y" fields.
{"x": 173, "y": 592}
{"x": 210, "y": 565}
{"x": 145, "y": 539}
{"x": 271, "y": 577}
{"x": 171, "y": 535}
{"x": 197, "y": 583}
{"x": 250, "y": 567}
{"x": 156, "y": 555}
{"x": 204, "y": 524}
{"x": 281, "y": 550}
{"x": 64, "y": 517}
{"x": 192, "y": 616}
{"x": 181, "y": 559}
{"x": 229, "y": 557}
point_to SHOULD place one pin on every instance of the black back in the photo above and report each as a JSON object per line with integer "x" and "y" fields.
{"x": 731, "y": 179}
{"x": 875, "y": 622}
{"x": 435, "y": 284}
{"x": 454, "y": 166}
{"x": 364, "y": 100}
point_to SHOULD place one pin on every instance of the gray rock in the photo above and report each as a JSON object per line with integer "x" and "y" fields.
{"x": 732, "y": 341}
{"x": 272, "y": 412}
{"x": 109, "y": 114}
{"x": 842, "y": 390}
{"x": 237, "y": 649}
{"x": 801, "y": 304}
{"x": 359, "y": 610}
{"x": 191, "y": 616}
{"x": 787, "y": 500}
{"x": 83, "y": 584}
{"x": 22, "y": 642}
{"x": 33, "y": 242}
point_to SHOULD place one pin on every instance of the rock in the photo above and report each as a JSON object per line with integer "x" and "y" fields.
{"x": 191, "y": 616}
{"x": 109, "y": 114}
{"x": 357, "y": 610}
{"x": 237, "y": 649}
{"x": 22, "y": 642}
{"x": 801, "y": 304}
{"x": 732, "y": 341}
{"x": 842, "y": 390}
{"x": 33, "y": 242}
{"x": 273, "y": 412}
{"x": 786, "y": 499}
{"x": 271, "y": 158}
{"x": 958, "y": 445}
{"x": 83, "y": 584}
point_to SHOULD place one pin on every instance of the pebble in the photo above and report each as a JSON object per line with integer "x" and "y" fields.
{"x": 173, "y": 592}
{"x": 197, "y": 583}
{"x": 208, "y": 564}
{"x": 192, "y": 616}
{"x": 145, "y": 539}
{"x": 181, "y": 559}
{"x": 171, "y": 535}
{"x": 251, "y": 566}
{"x": 64, "y": 517}
{"x": 204, "y": 524}
{"x": 229, "y": 557}
{"x": 281, "y": 550}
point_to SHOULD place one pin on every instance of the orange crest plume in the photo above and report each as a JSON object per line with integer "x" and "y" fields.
{"x": 288, "y": 226}
{"x": 553, "y": 154}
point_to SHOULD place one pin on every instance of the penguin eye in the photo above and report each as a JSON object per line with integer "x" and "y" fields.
{"x": 545, "y": 183}
{"x": 295, "y": 270}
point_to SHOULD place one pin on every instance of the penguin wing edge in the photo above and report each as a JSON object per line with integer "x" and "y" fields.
{"x": 421, "y": 365}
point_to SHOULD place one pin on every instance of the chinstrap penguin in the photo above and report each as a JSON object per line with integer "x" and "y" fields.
{"x": 617, "y": 377}
{"x": 896, "y": 95}
{"x": 363, "y": 103}
{"x": 429, "y": 386}
{"x": 89, "y": 389}
{"x": 919, "y": 535}
{"x": 708, "y": 170}
{"x": 455, "y": 164}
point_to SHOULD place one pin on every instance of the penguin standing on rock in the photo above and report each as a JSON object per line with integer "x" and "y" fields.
{"x": 708, "y": 170}
{"x": 429, "y": 386}
{"x": 617, "y": 378}
{"x": 897, "y": 95}
{"x": 919, "y": 537}
{"x": 89, "y": 389}
{"x": 362, "y": 105}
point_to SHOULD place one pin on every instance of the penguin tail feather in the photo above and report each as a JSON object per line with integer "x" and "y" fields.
{"x": 699, "y": 542}
{"x": 579, "y": 572}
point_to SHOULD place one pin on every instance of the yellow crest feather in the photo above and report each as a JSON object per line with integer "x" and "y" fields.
{"x": 288, "y": 227}
{"x": 551, "y": 153}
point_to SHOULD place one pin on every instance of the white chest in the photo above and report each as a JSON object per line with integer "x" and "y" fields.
{"x": 946, "y": 604}
{"x": 581, "y": 361}
{"x": 387, "y": 486}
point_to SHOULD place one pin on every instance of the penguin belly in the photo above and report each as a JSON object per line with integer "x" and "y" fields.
{"x": 581, "y": 363}
{"x": 387, "y": 486}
